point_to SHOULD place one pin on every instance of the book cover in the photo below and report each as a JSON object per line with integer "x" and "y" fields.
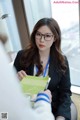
{"x": 33, "y": 84}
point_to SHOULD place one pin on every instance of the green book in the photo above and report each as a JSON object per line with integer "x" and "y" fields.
{"x": 33, "y": 84}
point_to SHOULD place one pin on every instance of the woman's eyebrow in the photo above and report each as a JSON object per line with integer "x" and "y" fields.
{"x": 44, "y": 33}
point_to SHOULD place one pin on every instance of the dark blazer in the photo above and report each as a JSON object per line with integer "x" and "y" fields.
{"x": 59, "y": 86}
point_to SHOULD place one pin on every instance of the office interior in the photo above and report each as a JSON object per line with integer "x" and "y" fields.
{"x": 17, "y": 18}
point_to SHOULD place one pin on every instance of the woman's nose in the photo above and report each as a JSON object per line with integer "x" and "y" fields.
{"x": 42, "y": 39}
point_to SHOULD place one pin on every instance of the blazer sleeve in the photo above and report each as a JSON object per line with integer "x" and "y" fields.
{"x": 64, "y": 94}
{"x": 17, "y": 61}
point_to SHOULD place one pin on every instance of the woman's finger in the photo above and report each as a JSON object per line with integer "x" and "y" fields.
{"x": 21, "y": 74}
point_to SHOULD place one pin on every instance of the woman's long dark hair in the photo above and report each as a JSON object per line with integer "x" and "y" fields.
{"x": 31, "y": 54}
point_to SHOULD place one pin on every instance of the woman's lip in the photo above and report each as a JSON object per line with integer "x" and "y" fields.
{"x": 41, "y": 45}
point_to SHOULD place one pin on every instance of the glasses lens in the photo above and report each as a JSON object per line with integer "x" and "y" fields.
{"x": 48, "y": 37}
{"x": 38, "y": 35}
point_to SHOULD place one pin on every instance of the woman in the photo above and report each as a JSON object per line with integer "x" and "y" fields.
{"x": 42, "y": 57}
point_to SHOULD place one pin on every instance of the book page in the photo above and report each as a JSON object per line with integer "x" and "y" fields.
{"x": 33, "y": 84}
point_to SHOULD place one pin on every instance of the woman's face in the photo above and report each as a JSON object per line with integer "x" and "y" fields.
{"x": 44, "y": 38}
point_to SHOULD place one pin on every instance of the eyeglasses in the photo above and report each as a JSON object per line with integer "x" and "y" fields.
{"x": 46, "y": 36}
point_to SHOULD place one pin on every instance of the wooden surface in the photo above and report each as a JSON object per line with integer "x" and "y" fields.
{"x": 76, "y": 100}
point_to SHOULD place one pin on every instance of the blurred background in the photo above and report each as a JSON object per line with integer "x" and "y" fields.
{"x": 17, "y": 18}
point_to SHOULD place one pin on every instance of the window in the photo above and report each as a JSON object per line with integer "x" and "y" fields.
{"x": 35, "y": 10}
{"x": 67, "y": 15}
{"x": 9, "y": 27}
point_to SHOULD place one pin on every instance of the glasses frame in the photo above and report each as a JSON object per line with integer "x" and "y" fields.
{"x": 43, "y": 35}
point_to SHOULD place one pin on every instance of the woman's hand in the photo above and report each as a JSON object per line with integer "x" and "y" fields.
{"x": 21, "y": 74}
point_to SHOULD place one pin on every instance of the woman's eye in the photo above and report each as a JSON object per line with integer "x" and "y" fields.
{"x": 38, "y": 34}
{"x": 47, "y": 36}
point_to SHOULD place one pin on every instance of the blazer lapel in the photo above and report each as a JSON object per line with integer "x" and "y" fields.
{"x": 54, "y": 74}
{"x": 30, "y": 70}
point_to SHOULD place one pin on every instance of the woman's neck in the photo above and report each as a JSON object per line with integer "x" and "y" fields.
{"x": 44, "y": 56}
